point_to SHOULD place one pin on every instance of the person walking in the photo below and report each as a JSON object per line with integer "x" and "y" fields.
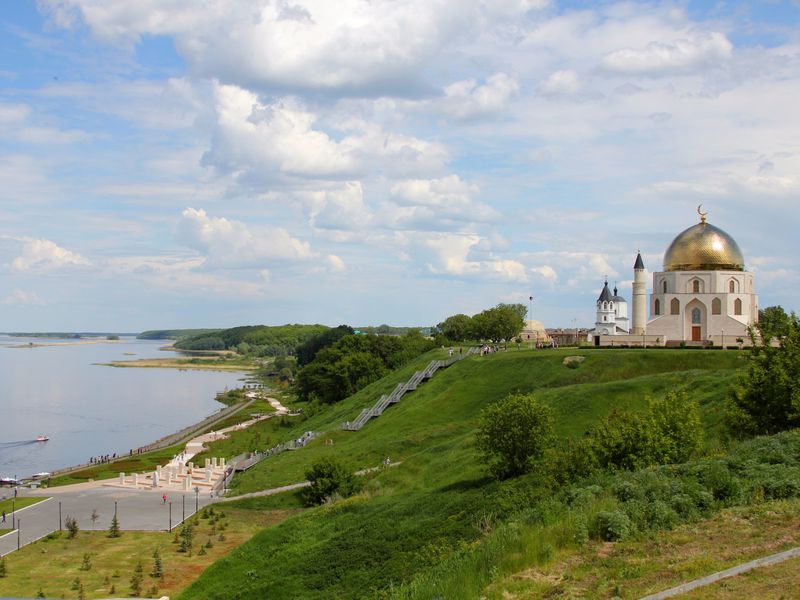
{"x": 164, "y": 499}
{"x": 4, "y": 517}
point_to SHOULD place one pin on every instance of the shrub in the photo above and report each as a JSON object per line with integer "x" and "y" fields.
{"x": 113, "y": 529}
{"x": 3, "y": 567}
{"x": 328, "y": 477}
{"x": 71, "y": 523}
{"x": 611, "y": 526}
{"x": 513, "y": 433}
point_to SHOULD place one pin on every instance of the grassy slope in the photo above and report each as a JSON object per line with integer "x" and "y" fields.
{"x": 415, "y": 515}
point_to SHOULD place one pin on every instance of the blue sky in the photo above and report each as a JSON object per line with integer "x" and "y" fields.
{"x": 183, "y": 164}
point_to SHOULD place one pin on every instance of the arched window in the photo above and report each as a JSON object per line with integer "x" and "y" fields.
{"x": 732, "y": 286}
{"x": 696, "y": 286}
{"x": 737, "y": 306}
{"x": 611, "y": 305}
{"x": 695, "y": 316}
{"x": 658, "y": 306}
{"x": 605, "y": 305}
{"x": 675, "y": 307}
{"x": 716, "y": 306}
{"x": 664, "y": 287}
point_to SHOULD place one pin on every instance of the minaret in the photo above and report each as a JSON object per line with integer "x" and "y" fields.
{"x": 639, "y": 316}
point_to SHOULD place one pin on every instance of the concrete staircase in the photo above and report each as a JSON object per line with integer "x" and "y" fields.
{"x": 397, "y": 394}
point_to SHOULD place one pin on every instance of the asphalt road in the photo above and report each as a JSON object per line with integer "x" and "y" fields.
{"x": 136, "y": 510}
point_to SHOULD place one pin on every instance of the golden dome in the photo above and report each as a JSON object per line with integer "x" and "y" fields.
{"x": 703, "y": 247}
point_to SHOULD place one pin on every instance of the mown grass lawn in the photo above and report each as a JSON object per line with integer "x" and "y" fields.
{"x": 53, "y": 564}
{"x": 8, "y": 502}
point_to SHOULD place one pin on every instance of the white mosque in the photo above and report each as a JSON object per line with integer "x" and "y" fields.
{"x": 703, "y": 296}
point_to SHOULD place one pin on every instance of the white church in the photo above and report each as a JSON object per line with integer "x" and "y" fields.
{"x": 703, "y": 296}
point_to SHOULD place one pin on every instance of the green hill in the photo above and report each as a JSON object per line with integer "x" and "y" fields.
{"x": 438, "y": 505}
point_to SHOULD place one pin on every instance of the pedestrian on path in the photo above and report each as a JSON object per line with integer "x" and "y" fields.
{"x": 164, "y": 499}
{"x": 4, "y": 517}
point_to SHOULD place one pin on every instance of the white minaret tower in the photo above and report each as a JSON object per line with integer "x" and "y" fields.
{"x": 639, "y": 325}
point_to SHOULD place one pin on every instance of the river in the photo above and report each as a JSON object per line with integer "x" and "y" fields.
{"x": 88, "y": 409}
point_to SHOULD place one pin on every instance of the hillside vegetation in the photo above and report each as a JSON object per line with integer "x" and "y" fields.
{"x": 438, "y": 510}
{"x": 260, "y": 340}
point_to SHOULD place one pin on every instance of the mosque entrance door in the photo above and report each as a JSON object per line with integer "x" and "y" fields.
{"x": 696, "y": 333}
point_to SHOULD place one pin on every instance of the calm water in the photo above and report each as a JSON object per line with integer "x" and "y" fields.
{"x": 87, "y": 409}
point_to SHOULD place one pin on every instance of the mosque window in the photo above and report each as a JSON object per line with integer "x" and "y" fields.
{"x": 696, "y": 286}
{"x": 696, "y": 316}
{"x": 663, "y": 287}
{"x": 675, "y": 306}
{"x": 737, "y": 306}
{"x": 658, "y": 306}
{"x": 732, "y": 286}
{"x": 716, "y": 306}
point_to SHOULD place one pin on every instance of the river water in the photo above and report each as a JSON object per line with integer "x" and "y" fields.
{"x": 88, "y": 409}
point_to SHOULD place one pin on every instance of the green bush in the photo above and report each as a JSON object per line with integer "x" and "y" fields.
{"x": 513, "y": 433}
{"x": 612, "y": 526}
{"x": 329, "y": 478}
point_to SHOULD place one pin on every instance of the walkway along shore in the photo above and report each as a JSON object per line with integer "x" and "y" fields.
{"x": 138, "y": 509}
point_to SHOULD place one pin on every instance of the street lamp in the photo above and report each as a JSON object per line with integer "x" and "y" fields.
{"x": 13, "y": 514}
{"x": 722, "y": 331}
{"x": 530, "y": 318}
{"x": 196, "y": 499}
{"x": 575, "y": 327}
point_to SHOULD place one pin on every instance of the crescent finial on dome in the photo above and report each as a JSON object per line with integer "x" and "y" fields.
{"x": 701, "y": 213}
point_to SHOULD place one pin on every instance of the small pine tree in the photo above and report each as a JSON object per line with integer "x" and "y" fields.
{"x": 158, "y": 569}
{"x": 209, "y": 543}
{"x": 81, "y": 593}
{"x": 40, "y": 594}
{"x": 112, "y": 589}
{"x": 113, "y": 529}
{"x": 186, "y": 535}
{"x": 136, "y": 580}
{"x": 71, "y": 523}
{"x": 3, "y": 568}
{"x": 76, "y": 584}
{"x": 86, "y": 565}
{"x": 153, "y": 591}
{"x": 202, "y": 551}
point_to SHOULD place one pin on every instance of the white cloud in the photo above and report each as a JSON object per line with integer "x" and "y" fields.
{"x": 259, "y": 142}
{"x": 45, "y": 255}
{"x": 23, "y": 298}
{"x": 450, "y": 254}
{"x": 466, "y": 99}
{"x": 313, "y": 44}
{"x": 561, "y": 82}
{"x": 338, "y": 208}
{"x": 681, "y": 55}
{"x": 233, "y": 244}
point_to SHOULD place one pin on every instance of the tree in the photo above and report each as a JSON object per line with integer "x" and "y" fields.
{"x": 773, "y": 322}
{"x": 513, "y": 433}
{"x": 768, "y": 398}
{"x": 136, "y": 580}
{"x": 3, "y": 567}
{"x": 113, "y": 529}
{"x": 503, "y": 322}
{"x": 328, "y": 477}
{"x": 455, "y": 328}
{"x": 71, "y": 523}
{"x": 675, "y": 429}
{"x": 158, "y": 568}
{"x": 187, "y": 537}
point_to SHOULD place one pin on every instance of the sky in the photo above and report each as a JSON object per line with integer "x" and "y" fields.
{"x": 187, "y": 163}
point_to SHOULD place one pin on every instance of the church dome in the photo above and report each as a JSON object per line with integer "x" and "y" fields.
{"x": 703, "y": 247}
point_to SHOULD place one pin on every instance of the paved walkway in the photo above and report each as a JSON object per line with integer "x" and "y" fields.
{"x": 296, "y": 486}
{"x": 140, "y": 510}
{"x": 136, "y": 510}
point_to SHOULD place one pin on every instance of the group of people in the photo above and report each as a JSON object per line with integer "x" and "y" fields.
{"x": 103, "y": 458}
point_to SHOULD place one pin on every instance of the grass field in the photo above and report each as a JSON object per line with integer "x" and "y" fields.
{"x": 54, "y": 564}
{"x": 439, "y": 502}
{"x": 7, "y": 503}
{"x": 662, "y": 560}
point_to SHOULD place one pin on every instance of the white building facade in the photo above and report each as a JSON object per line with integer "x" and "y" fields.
{"x": 702, "y": 296}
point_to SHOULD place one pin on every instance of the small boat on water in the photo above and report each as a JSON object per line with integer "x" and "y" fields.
{"x": 42, "y": 438}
